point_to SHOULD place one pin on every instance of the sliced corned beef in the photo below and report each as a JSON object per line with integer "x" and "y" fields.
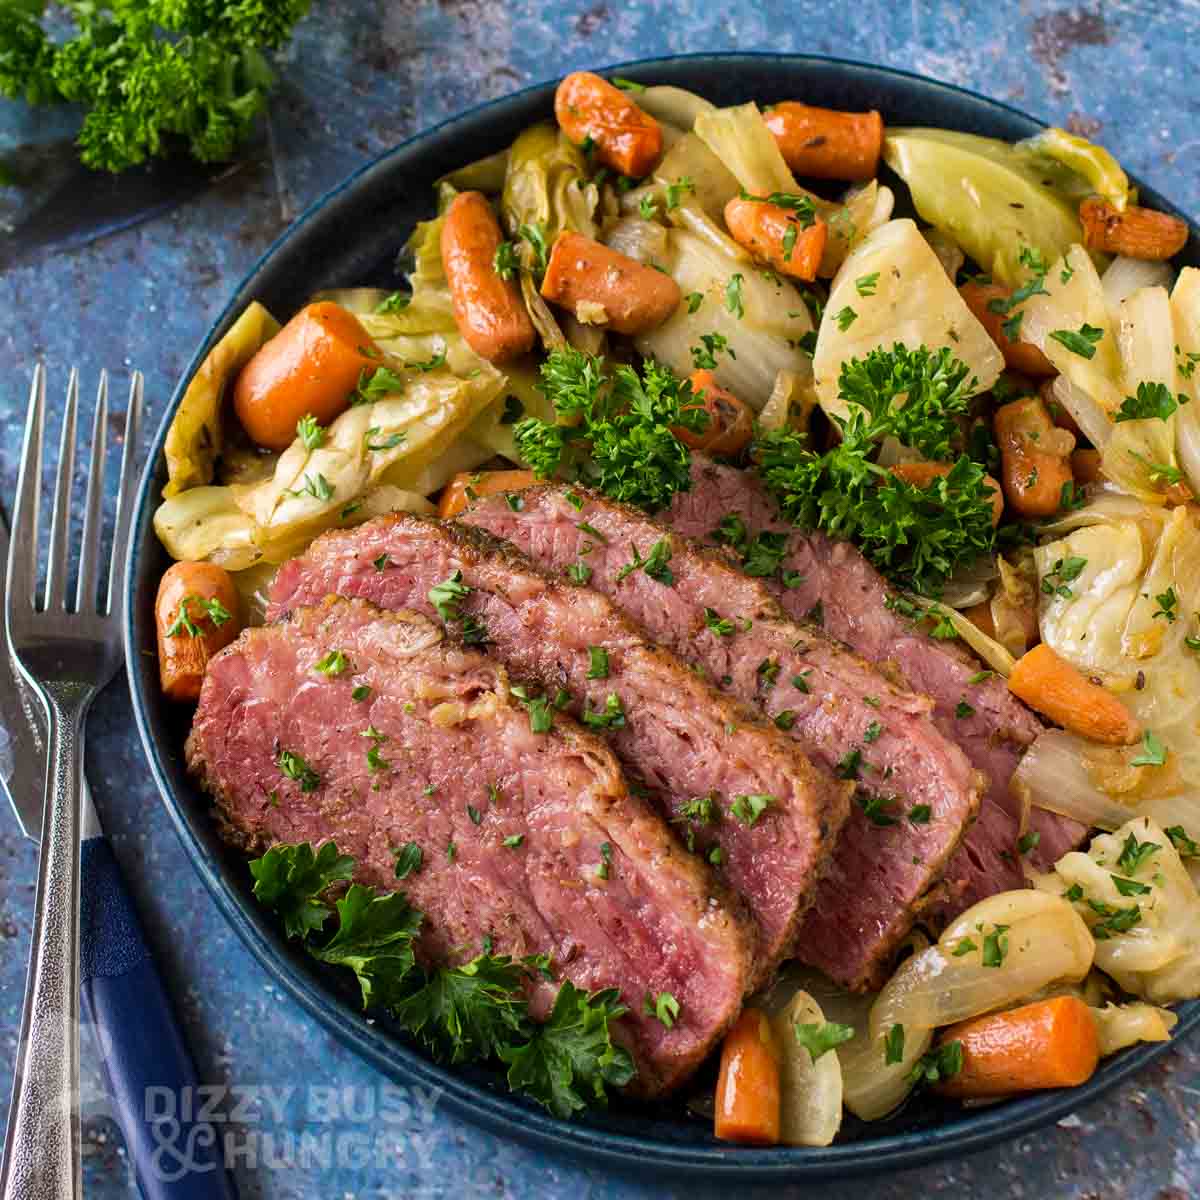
{"x": 917, "y": 789}
{"x": 528, "y": 839}
{"x": 853, "y": 597}
{"x": 695, "y": 749}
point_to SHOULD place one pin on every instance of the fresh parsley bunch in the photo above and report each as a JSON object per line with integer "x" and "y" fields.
{"x": 615, "y": 431}
{"x": 472, "y": 1012}
{"x": 916, "y": 536}
{"x": 149, "y": 72}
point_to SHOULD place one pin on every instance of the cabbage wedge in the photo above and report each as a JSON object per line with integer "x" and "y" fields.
{"x": 548, "y": 184}
{"x": 910, "y": 300}
{"x": 992, "y": 199}
{"x": 1140, "y": 457}
{"x": 1185, "y": 315}
{"x": 760, "y": 342}
{"x": 1074, "y": 299}
{"x": 311, "y": 487}
{"x": 195, "y": 436}
{"x": 1142, "y": 908}
{"x": 1126, "y": 617}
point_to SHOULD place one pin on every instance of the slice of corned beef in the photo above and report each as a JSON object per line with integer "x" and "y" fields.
{"x": 973, "y": 708}
{"x": 696, "y": 749}
{"x": 530, "y": 840}
{"x": 917, "y": 791}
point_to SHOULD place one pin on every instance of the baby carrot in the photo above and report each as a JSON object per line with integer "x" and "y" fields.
{"x": 1057, "y": 690}
{"x": 778, "y": 236}
{"x": 469, "y": 485}
{"x": 822, "y": 143}
{"x": 747, "y": 1099}
{"x": 1019, "y": 356}
{"x": 730, "y": 421}
{"x": 1048, "y": 1044}
{"x": 1135, "y": 233}
{"x": 488, "y": 310}
{"x": 196, "y": 613}
{"x": 623, "y": 137}
{"x": 613, "y": 289}
{"x": 309, "y": 368}
{"x": 1035, "y": 459}
{"x": 922, "y": 474}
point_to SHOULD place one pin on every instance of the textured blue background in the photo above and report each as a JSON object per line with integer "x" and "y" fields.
{"x": 359, "y": 77}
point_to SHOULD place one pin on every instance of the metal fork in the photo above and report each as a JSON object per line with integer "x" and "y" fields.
{"x": 67, "y": 656}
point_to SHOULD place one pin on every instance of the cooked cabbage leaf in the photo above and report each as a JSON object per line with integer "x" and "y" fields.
{"x": 674, "y": 106}
{"x": 746, "y": 352}
{"x": 992, "y": 199}
{"x": 311, "y": 487}
{"x": 740, "y": 139}
{"x": 911, "y": 300}
{"x": 195, "y": 437}
{"x": 1140, "y": 454}
{"x": 1142, "y": 908}
{"x": 205, "y": 524}
{"x": 1076, "y": 167}
{"x": 548, "y": 184}
{"x": 1126, "y": 617}
{"x": 1185, "y": 314}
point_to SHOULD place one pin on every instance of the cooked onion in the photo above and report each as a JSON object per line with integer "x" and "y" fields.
{"x": 1046, "y": 942}
{"x": 1121, "y": 1025}
{"x": 810, "y": 1092}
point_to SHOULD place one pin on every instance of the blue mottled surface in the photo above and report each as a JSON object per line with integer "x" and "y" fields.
{"x": 305, "y": 1118}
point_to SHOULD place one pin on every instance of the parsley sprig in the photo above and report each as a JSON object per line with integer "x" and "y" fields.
{"x": 471, "y": 1012}
{"x": 916, "y": 536}
{"x": 152, "y": 75}
{"x": 621, "y": 439}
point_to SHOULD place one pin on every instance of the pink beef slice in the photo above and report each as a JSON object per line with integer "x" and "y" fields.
{"x": 917, "y": 791}
{"x": 852, "y": 596}
{"x": 685, "y": 740}
{"x": 462, "y": 768}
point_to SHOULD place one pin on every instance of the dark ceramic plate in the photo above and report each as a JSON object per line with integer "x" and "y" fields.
{"x": 351, "y": 237}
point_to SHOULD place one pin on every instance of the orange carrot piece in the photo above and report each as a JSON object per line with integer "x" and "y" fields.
{"x": 822, "y": 143}
{"x": 747, "y": 1098}
{"x": 309, "y": 368}
{"x": 1085, "y": 466}
{"x": 1031, "y": 467}
{"x": 185, "y": 646}
{"x": 1135, "y": 233}
{"x": 1047, "y": 1044}
{"x": 633, "y": 297}
{"x": 1018, "y": 356}
{"x": 922, "y": 474}
{"x": 626, "y": 139}
{"x": 469, "y": 485}
{"x": 488, "y": 310}
{"x": 777, "y": 236}
{"x": 1051, "y": 686}
{"x": 730, "y": 420}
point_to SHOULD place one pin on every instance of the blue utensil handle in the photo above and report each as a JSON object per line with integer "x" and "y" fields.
{"x": 149, "y": 1071}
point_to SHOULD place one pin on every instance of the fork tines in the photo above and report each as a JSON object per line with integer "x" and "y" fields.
{"x": 23, "y": 572}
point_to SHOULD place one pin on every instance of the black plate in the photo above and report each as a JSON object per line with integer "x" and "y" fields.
{"x": 351, "y": 236}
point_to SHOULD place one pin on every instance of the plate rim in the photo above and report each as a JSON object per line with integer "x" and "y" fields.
{"x": 499, "y": 1111}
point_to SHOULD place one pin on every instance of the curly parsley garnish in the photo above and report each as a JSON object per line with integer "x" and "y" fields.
{"x": 917, "y": 536}
{"x": 472, "y": 1012}
{"x": 620, "y": 440}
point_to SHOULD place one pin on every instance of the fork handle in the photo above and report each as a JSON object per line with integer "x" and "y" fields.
{"x": 149, "y": 1071}
{"x": 41, "y": 1153}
